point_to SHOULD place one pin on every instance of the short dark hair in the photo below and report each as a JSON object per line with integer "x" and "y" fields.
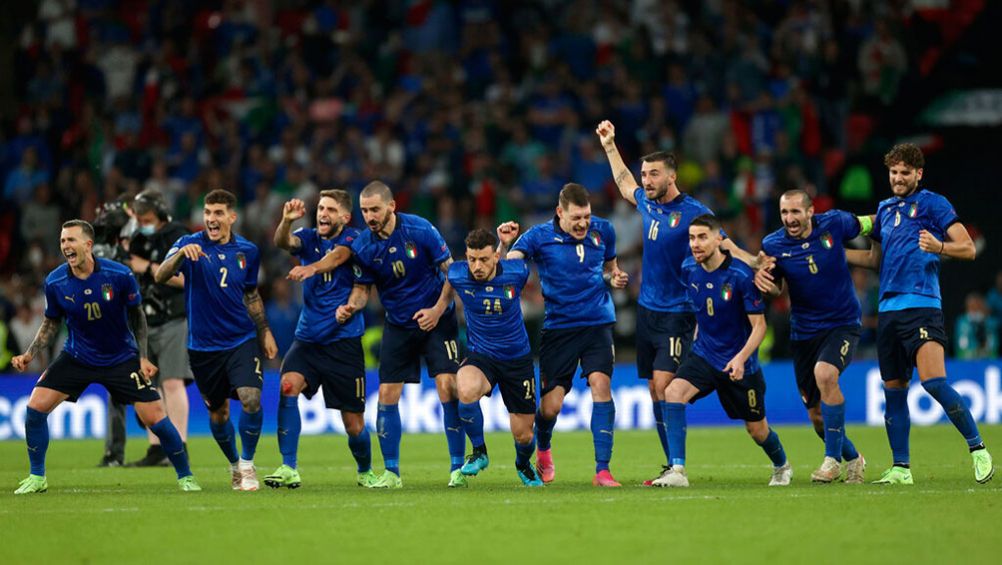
{"x": 342, "y": 197}
{"x": 666, "y": 157}
{"x": 377, "y": 188}
{"x": 220, "y": 196}
{"x": 481, "y": 238}
{"x": 805, "y": 198}
{"x": 151, "y": 200}
{"x": 707, "y": 221}
{"x": 573, "y": 193}
{"x": 84, "y": 226}
{"x": 907, "y": 153}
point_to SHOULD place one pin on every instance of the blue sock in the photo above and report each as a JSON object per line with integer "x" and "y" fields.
{"x": 659, "y": 420}
{"x": 171, "y": 443}
{"x": 898, "y": 423}
{"x": 603, "y": 420}
{"x": 36, "y": 435}
{"x": 290, "y": 425}
{"x": 849, "y": 451}
{"x": 250, "y": 432}
{"x": 834, "y": 419}
{"x": 454, "y": 434}
{"x": 388, "y": 430}
{"x": 774, "y": 449}
{"x": 956, "y": 409}
{"x": 472, "y": 419}
{"x": 675, "y": 429}
{"x": 226, "y": 438}
{"x": 361, "y": 449}
{"x": 544, "y": 431}
{"x": 523, "y": 453}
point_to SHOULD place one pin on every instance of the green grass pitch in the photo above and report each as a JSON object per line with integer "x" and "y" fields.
{"x": 729, "y": 515}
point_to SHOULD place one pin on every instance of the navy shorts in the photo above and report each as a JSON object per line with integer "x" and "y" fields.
{"x": 835, "y": 346}
{"x": 125, "y": 382}
{"x": 218, "y": 374}
{"x": 663, "y": 340}
{"x": 516, "y": 378}
{"x": 562, "y": 350}
{"x": 338, "y": 367}
{"x": 900, "y": 334}
{"x": 742, "y": 400}
{"x": 402, "y": 349}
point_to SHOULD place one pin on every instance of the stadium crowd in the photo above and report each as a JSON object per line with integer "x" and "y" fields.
{"x": 474, "y": 112}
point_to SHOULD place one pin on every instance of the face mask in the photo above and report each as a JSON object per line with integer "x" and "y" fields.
{"x": 147, "y": 229}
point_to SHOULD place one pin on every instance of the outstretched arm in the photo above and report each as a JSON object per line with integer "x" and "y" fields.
{"x": 255, "y": 309}
{"x": 293, "y": 210}
{"x": 620, "y": 172}
{"x": 328, "y": 263}
{"x": 165, "y": 272}
{"x": 740, "y": 254}
{"x": 865, "y": 258}
{"x": 43, "y": 339}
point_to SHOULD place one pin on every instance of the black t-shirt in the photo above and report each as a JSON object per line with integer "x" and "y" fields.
{"x": 161, "y": 303}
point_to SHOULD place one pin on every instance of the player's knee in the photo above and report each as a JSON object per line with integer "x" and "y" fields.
{"x": 757, "y": 430}
{"x": 523, "y": 437}
{"x": 220, "y": 415}
{"x": 601, "y": 390}
{"x": 674, "y": 394}
{"x": 291, "y": 386}
{"x": 826, "y": 377}
{"x": 250, "y": 399}
{"x": 353, "y": 425}
{"x": 468, "y": 392}
{"x": 390, "y": 394}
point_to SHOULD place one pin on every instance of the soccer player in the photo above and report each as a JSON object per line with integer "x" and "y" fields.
{"x": 665, "y": 320}
{"x": 164, "y": 307}
{"x": 407, "y": 259}
{"x": 576, "y": 257}
{"x": 913, "y": 229}
{"x": 810, "y": 261}
{"x": 498, "y": 351}
{"x": 225, "y": 314}
{"x": 724, "y": 355}
{"x": 327, "y": 351}
{"x": 100, "y": 302}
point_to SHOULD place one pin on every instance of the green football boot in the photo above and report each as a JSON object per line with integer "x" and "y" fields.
{"x": 895, "y": 476}
{"x": 367, "y": 479}
{"x": 984, "y": 470}
{"x": 457, "y": 479}
{"x": 189, "y": 484}
{"x": 284, "y": 476}
{"x": 388, "y": 480}
{"x": 33, "y": 483}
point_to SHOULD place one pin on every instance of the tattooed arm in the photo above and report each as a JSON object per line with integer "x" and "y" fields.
{"x": 43, "y": 339}
{"x": 137, "y": 321}
{"x": 255, "y": 309}
{"x": 356, "y": 301}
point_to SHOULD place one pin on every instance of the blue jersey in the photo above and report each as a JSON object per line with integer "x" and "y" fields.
{"x": 909, "y": 277}
{"x": 723, "y": 298}
{"x": 494, "y": 325}
{"x": 96, "y": 312}
{"x": 404, "y": 267}
{"x": 822, "y": 296}
{"x": 214, "y": 291}
{"x": 666, "y": 246}
{"x": 324, "y": 293}
{"x": 570, "y": 270}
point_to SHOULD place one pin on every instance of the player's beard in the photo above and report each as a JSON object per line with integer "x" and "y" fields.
{"x": 658, "y": 193}
{"x": 909, "y": 189}
{"x": 378, "y": 226}
{"x": 332, "y": 228}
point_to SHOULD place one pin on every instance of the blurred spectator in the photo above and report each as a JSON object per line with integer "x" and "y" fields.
{"x": 283, "y": 315}
{"x": 976, "y": 333}
{"x": 22, "y": 181}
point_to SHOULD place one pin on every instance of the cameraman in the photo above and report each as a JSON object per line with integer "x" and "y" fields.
{"x": 164, "y": 307}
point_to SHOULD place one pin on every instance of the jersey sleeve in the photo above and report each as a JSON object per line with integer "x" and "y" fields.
{"x": 253, "y": 266}
{"x": 751, "y": 296}
{"x": 435, "y": 245}
{"x": 363, "y": 275}
{"x": 943, "y": 214}
{"x": 610, "y": 241}
{"x": 455, "y": 272}
{"x": 639, "y": 195}
{"x": 129, "y": 287}
{"x": 523, "y": 273}
{"x": 53, "y": 310}
{"x": 848, "y": 225}
{"x": 875, "y": 232}
{"x": 306, "y": 241}
{"x": 771, "y": 250}
{"x": 526, "y": 244}
{"x": 185, "y": 267}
